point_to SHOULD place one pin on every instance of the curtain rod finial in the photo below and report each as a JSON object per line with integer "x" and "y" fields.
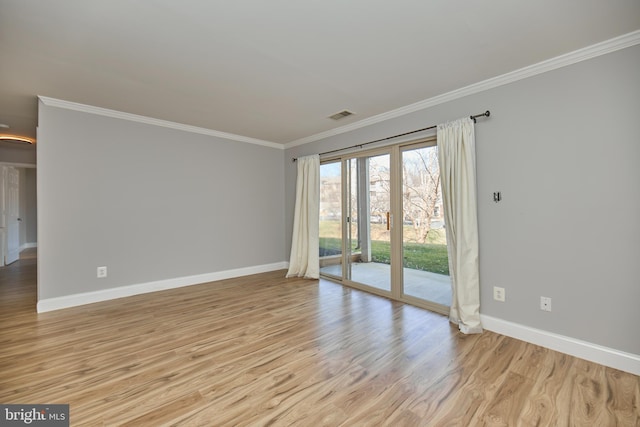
{"x": 485, "y": 114}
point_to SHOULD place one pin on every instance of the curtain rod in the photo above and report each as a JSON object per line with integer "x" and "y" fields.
{"x": 485, "y": 114}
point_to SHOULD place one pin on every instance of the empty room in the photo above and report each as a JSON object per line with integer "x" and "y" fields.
{"x": 356, "y": 213}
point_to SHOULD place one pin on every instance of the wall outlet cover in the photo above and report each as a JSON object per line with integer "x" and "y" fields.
{"x": 102, "y": 272}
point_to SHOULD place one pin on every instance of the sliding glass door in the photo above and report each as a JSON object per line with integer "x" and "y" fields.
{"x": 331, "y": 219}
{"x": 382, "y": 224}
{"x": 368, "y": 261}
{"x": 424, "y": 241}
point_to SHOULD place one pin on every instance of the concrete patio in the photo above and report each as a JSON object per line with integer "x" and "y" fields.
{"x": 419, "y": 284}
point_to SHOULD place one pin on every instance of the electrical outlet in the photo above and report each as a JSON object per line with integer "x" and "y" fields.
{"x": 545, "y": 303}
{"x": 498, "y": 294}
{"x": 102, "y": 272}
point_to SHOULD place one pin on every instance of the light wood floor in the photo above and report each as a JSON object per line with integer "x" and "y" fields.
{"x": 268, "y": 351}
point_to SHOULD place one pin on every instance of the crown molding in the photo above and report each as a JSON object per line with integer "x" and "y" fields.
{"x": 52, "y": 102}
{"x": 602, "y": 48}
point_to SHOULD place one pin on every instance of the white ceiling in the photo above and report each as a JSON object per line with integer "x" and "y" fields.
{"x": 275, "y": 70}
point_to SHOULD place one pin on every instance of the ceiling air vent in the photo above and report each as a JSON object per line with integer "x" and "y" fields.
{"x": 341, "y": 114}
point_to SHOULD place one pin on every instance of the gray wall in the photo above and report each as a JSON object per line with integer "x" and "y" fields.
{"x": 22, "y": 205}
{"x": 150, "y": 203}
{"x": 563, "y": 147}
{"x": 31, "y": 206}
{"x": 12, "y": 152}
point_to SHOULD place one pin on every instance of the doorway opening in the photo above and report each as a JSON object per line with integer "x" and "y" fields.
{"x": 18, "y": 211}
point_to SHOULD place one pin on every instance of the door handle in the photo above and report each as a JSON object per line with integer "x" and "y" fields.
{"x": 19, "y": 219}
{"x": 388, "y": 218}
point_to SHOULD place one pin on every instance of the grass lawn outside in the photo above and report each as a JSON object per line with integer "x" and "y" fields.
{"x": 425, "y": 257}
{"x": 431, "y": 256}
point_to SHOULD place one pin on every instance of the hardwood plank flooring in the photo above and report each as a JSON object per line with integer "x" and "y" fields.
{"x": 267, "y": 351}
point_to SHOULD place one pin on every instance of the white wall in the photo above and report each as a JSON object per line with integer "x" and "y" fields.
{"x": 150, "y": 203}
{"x": 563, "y": 148}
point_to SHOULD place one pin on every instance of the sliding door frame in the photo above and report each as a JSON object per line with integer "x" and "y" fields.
{"x": 396, "y": 235}
{"x": 346, "y": 226}
{"x": 429, "y": 305}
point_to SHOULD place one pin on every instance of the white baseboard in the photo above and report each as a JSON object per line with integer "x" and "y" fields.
{"x": 606, "y": 356}
{"x": 28, "y": 245}
{"x": 74, "y": 300}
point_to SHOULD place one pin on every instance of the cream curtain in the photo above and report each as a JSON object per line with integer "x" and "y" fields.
{"x": 304, "y": 261}
{"x": 457, "y": 159}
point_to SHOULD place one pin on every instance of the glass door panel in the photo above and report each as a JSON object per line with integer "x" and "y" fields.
{"x": 424, "y": 241}
{"x": 330, "y": 241}
{"x": 369, "y": 221}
